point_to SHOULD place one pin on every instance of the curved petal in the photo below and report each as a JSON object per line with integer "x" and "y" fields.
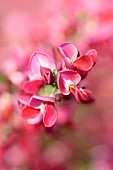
{"x": 34, "y": 67}
{"x": 50, "y": 116}
{"x": 24, "y": 99}
{"x": 69, "y": 53}
{"x": 83, "y": 63}
{"x": 68, "y": 50}
{"x": 39, "y": 59}
{"x": 76, "y": 94}
{"x": 93, "y": 54}
{"x": 47, "y": 75}
{"x": 32, "y": 86}
{"x": 29, "y": 112}
{"x": 83, "y": 74}
{"x": 66, "y": 79}
{"x": 81, "y": 95}
{"x": 35, "y": 120}
{"x": 84, "y": 94}
{"x": 61, "y": 85}
{"x": 36, "y": 100}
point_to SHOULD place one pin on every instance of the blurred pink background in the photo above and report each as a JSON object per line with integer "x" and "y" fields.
{"x": 82, "y": 138}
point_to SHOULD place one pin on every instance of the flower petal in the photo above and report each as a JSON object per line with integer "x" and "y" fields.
{"x": 32, "y": 86}
{"x": 34, "y": 67}
{"x": 83, "y": 74}
{"x": 76, "y": 94}
{"x": 47, "y": 75}
{"x": 39, "y": 59}
{"x": 50, "y": 116}
{"x": 24, "y": 99}
{"x": 35, "y": 120}
{"x": 36, "y": 100}
{"x": 68, "y": 50}
{"x": 83, "y": 63}
{"x": 66, "y": 79}
{"x": 83, "y": 94}
{"x": 29, "y": 112}
{"x": 69, "y": 53}
{"x": 93, "y": 54}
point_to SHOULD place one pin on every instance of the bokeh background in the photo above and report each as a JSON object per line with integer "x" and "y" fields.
{"x": 82, "y": 138}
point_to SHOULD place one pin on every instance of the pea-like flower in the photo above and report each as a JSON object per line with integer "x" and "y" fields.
{"x": 67, "y": 79}
{"x": 36, "y": 108}
{"x": 41, "y": 66}
{"x": 73, "y": 60}
{"x": 40, "y": 71}
{"x": 47, "y": 85}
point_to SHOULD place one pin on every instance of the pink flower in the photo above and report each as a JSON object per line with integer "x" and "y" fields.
{"x": 82, "y": 95}
{"x": 45, "y": 80}
{"x": 93, "y": 54}
{"x": 72, "y": 59}
{"x": 40, "y": 71}
{"x": 37, "y": 108}
{"x": 41, "y": 66}
{"x": 47, "y": 75}
{"x": 33, "y": 86}
{"x": 67, "y": 79}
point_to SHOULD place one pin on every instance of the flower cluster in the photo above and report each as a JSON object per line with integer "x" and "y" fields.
{"x": 47, "y": 84}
